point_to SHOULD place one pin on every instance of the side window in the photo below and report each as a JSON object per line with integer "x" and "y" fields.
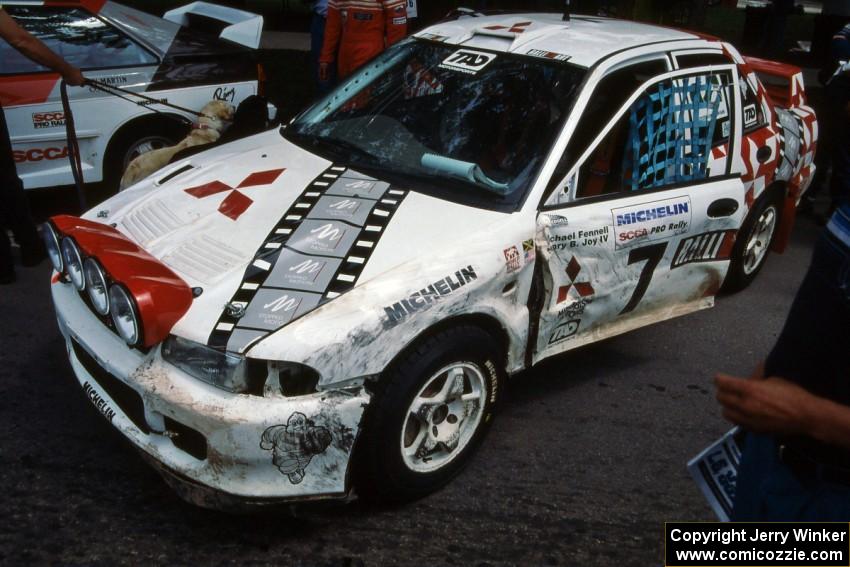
{"x": 80, "y": 38}
{"x": 610, "y": 93}
{"x": 751, "y": 111}
{"x": 665, "y": 137}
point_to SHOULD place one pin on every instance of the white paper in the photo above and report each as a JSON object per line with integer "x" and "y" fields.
{"x": 715, "y": 471}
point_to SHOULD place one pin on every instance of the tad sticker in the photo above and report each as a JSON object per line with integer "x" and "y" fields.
{"x": 468, "y": 61}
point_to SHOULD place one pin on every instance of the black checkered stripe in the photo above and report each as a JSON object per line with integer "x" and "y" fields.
{"x": 257, "y": 280}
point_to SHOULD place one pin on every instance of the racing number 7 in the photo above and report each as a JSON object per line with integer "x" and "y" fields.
{"x": 652, "y": 254}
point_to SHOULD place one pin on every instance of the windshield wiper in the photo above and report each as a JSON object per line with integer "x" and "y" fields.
{"x": 465, "y": 170}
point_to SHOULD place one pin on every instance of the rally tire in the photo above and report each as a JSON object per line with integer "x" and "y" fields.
{"x": 132, "y": 140}
{"x": 463, "y": 363}
{"x": 752, "y": 245}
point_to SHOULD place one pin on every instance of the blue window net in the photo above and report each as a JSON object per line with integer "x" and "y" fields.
{"x": 671, "y": 129}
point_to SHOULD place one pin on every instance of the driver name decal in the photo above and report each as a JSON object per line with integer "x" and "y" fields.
{"x": 655, "y": 220}
{"x": 468, "y": 61}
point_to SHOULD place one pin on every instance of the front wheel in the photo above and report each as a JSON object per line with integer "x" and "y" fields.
{"x": 753, "y": 244}
{"x": 429, "y": 414}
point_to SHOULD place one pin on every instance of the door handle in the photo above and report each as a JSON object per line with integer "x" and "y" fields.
{"x": 722, "y": 208}
{"x": 763, "y": 154}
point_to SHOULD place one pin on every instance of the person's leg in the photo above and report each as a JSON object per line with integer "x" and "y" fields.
{"x": 7, "y": 270}
{"x": 840, "y": 182}
{"x": 14, "y": 199}
{"x": 810, "y": 351}
{"x": 317, "y": 38}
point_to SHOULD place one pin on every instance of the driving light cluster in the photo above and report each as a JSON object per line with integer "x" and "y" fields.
{"x": 87, "y": 274}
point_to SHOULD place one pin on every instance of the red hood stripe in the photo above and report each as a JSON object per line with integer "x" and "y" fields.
{"x": 27, "y": 89}
{"x": 91, "y": 5}
{"x": 161, "y": 295}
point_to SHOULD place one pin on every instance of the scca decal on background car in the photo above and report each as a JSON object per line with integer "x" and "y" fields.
{"x": 40, "y": 154}
{"x": 48, "y": 119}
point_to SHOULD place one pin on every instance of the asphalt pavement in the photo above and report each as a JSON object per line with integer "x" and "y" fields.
{"x": 582, "y": 467}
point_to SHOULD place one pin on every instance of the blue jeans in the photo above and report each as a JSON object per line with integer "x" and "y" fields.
{"x": 813, "y": 351}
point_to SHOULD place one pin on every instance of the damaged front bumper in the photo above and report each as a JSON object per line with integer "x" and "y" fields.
{"x": 218, "y": 449}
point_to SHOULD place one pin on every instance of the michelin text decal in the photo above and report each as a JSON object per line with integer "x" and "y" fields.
{"x": 656, "y": 220}
{"x": 400, "y": 310}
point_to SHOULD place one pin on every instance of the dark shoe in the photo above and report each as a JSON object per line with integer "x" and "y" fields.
{"x": 7, "y": 277}
{"x": 33, "y": 255}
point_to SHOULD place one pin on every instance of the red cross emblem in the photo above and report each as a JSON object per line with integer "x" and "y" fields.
{"x": 516, "y": 28}
{"x": 584, "y": 289}
{"x": 236, "y": 202}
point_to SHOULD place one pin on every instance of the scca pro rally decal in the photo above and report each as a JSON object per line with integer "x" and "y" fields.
{"x": 651, "y": 221}
{"x": 41, "y": 120}
{"x": 314, "y": 254}
{"x": 706, "y": 247}
{"x": 468, "y": 61}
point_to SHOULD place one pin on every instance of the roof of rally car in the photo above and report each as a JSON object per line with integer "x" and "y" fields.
{"x": 584, "y": 40}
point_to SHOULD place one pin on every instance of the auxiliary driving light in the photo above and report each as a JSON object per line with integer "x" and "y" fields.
{"x": 73, "y": 262}
{"x": 51, "y": 243}
{"x": 124, "y": 314}
{"x": 96, "y": 286}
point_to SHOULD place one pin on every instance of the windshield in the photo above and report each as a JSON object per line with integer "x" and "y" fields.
{"x": 468, "y": 125}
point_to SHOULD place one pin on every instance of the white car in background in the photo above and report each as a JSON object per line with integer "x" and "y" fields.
{"x": 193, "y": 55}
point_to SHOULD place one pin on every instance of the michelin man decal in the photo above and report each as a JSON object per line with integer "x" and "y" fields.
{"x": 295, "y": 444}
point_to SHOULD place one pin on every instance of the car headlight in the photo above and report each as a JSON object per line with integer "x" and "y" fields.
{"x": 73, "y": 261}
{"x": 223, "y": 370}
{"x": 124, "y": 314}
{"x": 96, "y": 286}
{"x": 291, "y": 379}
{"x": 51, "y": 243}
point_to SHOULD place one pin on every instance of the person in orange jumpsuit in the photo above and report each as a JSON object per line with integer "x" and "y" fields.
{"x": 358, "y": 30}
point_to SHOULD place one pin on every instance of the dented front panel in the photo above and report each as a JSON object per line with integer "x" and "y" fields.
{"x": 256, "y": 448}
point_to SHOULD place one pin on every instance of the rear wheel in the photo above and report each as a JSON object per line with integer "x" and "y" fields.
{"x": 430, "y": 412}
{"x": 753, "y": 244}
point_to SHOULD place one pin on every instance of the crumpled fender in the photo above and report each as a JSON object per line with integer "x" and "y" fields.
{"x": 361, "y": 332}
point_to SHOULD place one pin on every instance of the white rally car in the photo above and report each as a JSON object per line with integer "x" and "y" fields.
{"x": 338, "y": 304}
{"x": 166, "y": 59}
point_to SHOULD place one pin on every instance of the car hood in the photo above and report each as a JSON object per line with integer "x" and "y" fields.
{"x": 267, "y": 232}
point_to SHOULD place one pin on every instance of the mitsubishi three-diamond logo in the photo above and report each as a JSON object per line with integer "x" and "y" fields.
{"x": 584, "y": 289}
{"x": 236, "y": 202}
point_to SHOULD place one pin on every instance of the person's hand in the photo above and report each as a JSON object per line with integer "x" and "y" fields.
{"x": 324, "y": 71}
{"x": 764, "y": 405}
{"x": 73, "y": 76}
